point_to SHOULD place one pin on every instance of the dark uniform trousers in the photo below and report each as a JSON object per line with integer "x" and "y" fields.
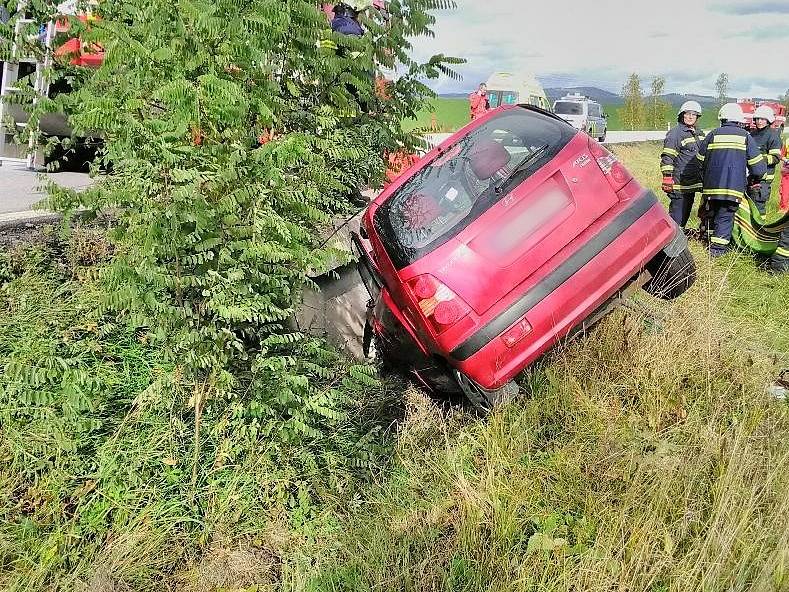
{"x": 780, "y": 259}
{"x": 680, "y": 207}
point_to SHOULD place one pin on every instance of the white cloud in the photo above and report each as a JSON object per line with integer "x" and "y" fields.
{"x": 600, "y": 42}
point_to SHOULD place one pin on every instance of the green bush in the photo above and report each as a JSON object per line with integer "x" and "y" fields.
{"x": 154, "y": 393}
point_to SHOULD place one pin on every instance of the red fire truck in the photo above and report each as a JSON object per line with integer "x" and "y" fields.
{"x": 750, "y": 105}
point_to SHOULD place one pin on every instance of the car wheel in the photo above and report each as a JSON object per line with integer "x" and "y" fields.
{"x": 671, "y": 276}
{"x": 482, "y": 399}
{"x": 602, "y": 138}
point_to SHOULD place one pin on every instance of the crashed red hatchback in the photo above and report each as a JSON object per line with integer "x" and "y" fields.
{"x": 510, "y": 235}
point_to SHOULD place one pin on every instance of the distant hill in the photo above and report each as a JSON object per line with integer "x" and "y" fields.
{"x": 605, "y": 97}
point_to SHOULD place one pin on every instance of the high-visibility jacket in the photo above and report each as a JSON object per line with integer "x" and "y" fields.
{"x": 769, "y": 142}
{"x": 478, "y": 104}
{"x": 753, "y": 233}
{"x": 678, "y": 159}
{"x": 727, "y": 155}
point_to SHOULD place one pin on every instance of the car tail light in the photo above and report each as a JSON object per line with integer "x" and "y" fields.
{"x": 618, "y": 176}
{"x": 439, "y": 305}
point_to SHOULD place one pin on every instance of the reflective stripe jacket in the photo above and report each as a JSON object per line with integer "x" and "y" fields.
{"x": 769, "y": 142}
{"x": 678, "y": 159}
{"x": 727, "y": 155}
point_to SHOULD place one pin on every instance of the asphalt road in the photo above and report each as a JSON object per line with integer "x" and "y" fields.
{"x": 20, "y": 188}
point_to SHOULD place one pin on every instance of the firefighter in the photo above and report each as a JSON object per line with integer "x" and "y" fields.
{"x": 478, "y": 102}
{"x": 679, "y": 164}
{"x": 346, "y": 19}
{"x": 727, "y": 155}
{"x": 769, "y": 142}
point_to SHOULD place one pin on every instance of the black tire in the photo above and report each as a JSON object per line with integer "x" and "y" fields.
{"x": 671, "y": 276}
{"x": 602, "y": 138}
{"x": 484, "y": 400}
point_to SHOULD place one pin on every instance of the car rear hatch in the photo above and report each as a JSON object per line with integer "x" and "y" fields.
{"x": 521, "y": 233}
{"x": 528, "y": 221}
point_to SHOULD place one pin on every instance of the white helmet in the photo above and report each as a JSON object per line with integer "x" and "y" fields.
{"x": 691, "y": 106}
{"x": 358, "y": 5}
{"x": 765, "y": 112}
{"x": 731, "y": 112}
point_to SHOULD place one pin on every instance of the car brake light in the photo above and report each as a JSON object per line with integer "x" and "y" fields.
{"x": 439, "y": 305}
{"x": 618, "y": 176}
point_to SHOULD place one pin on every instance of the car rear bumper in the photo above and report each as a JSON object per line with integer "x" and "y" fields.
{"x": 605, "y": 263}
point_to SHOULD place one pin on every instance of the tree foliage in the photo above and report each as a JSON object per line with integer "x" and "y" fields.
{"x": 633, "y": 111}
{"x": 656, "y": 117}
{"x": 235, "y": 132}
{"x": 722, "y": 88}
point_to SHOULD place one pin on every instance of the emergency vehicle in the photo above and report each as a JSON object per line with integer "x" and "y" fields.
{"x": 583, "y": 114}
{"x": 748, "y": 106}
{"x": 505, "y": 88}
{"x": 58, "y": 47}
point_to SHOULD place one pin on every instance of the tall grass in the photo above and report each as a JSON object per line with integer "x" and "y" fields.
{"x": 646, "y": 456}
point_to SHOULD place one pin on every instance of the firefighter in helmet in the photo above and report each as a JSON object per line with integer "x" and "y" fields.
{"x": 678, "y": 162}
{"x": 730, "y": 163}
{"x": 769, "y": 142}
{"x": 346, "y": 17}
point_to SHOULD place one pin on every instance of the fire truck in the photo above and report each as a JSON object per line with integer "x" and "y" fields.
{"x": 750, "y": 105}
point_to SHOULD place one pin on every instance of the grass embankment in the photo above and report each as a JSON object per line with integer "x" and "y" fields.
{"x": 645, "y": 456}
{"x": 450, "y": 114}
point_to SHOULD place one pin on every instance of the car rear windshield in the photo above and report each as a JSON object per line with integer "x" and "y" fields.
{"x": 568, "y": 108}
{"x": 465, "y": 180}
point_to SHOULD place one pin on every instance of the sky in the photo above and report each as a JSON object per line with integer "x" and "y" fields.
{"x": 599, "y": 42}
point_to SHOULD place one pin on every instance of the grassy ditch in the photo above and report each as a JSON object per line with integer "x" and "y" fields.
{"x": 645, "y": 456}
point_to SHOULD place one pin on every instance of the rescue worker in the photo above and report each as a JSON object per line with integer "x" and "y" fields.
{"x": 679, "y": 164}
{"x": 726, "y": 155}
{"x": 346, "y": 21}
{"x": 769, "y": 142}
{"x": 478, "y": 102}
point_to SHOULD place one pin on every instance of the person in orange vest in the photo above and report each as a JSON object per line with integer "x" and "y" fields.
{"x": 478, "y": 102}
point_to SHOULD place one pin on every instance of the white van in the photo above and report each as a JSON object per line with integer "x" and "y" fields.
{"x": 510, "y": 89}
{"x": 583, "y": 114}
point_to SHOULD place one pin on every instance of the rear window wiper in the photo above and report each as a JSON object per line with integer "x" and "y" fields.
{"x": 522, "y": 165}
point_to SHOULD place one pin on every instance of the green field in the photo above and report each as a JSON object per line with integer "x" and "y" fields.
{"x": 644, "y": 456}
{"x": 450, "y": 114}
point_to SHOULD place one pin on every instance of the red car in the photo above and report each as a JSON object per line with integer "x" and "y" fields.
{"x": 510, "y": 235}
